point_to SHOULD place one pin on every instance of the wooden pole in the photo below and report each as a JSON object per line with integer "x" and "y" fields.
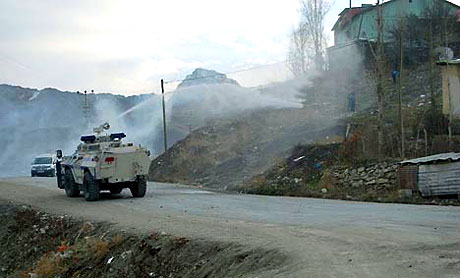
{"x": 451, "y": 110}
{"x": 86, "y": 110}
{"x": 416, "y": 142}
{"x": 401, "y": 119}
{"x": 165, "y": 139}
{"x": 448, "y": 90}
{"x": 426, "y": 141}
{"x": 379, "y": 81}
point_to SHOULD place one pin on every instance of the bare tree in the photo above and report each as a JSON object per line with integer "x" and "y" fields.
{"x": 308, "y": 40}
{"x": 299, "y": 54}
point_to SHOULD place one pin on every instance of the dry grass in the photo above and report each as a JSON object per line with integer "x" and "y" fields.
{"x": 100, "y": 248}
{"x": 49, "y": 265}
{"x": 87, "y": 228}
{"x": 117, "y": 240}
{"x": 327, "y": 180}
{"x": 54, "y": 264}
{"x": 259, "y": 181}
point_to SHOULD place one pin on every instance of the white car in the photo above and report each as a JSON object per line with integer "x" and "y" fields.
{"x": 44, "y": 165}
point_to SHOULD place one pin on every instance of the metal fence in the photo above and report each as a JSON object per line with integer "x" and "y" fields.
{"x": 439, "y": 179}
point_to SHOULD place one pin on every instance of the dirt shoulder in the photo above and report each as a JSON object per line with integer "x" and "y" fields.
{"x": 38, "y": 244}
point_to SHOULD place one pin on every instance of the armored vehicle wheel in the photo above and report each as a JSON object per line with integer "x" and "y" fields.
{"x": 116, "y": 190}
{"x": 139, "y": 187}
{"x": 71, "y": 188}
{"x": 91, "y": 187}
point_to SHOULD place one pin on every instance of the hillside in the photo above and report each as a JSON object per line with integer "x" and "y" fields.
{"x": 40, "y": 121}
{"x": 224, "y": 154}
{"x": 247, "y": 149}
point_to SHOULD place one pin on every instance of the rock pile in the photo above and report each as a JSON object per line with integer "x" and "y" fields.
{"x": 379, "y": 176}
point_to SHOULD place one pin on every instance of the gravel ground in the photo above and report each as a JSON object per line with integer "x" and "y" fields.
{"x": 321, "y": 238}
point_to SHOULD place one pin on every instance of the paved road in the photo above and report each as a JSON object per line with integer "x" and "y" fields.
{"x": 323, "y": 238}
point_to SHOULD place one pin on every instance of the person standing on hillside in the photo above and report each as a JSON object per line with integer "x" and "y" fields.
{"x": 351, "y": 102}
{"x": 394, "y": 75}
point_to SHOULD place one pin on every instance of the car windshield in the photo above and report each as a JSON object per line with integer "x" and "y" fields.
{"x": 42, "y": 160}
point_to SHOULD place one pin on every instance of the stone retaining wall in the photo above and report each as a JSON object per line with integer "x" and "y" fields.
{"x": 379, "y": 176}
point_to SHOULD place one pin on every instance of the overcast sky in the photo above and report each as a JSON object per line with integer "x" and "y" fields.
{"x": 126, "y": 47}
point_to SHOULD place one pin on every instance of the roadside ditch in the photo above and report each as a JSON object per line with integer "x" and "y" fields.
{"x": 37, "y": 244}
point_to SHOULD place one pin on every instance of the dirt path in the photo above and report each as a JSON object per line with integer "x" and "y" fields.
{"x": 322, "y": 238}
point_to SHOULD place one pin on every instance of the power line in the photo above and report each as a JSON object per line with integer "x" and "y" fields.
{"x": 16, "y": 63}
{"x": 10, "y": 60}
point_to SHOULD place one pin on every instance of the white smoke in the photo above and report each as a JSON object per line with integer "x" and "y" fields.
{"x": 139, "y": 123}
{"x": 224, "y": 99}
{"x": 49, "y": 120}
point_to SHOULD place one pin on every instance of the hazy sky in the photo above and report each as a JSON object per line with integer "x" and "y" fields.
{"x": 126, "y": 47}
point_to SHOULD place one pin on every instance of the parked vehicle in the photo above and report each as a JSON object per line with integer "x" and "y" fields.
{"x": 43, "y": 165}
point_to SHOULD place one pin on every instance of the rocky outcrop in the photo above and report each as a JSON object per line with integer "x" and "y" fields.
{"x": 203, "y": 76}
{"x": 378, "y": 176}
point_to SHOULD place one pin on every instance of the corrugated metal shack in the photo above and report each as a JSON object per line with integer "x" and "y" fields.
{"x": 433, "y": 175}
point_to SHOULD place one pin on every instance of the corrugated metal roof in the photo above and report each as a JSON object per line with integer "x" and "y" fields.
{"x": 433, "y": 158}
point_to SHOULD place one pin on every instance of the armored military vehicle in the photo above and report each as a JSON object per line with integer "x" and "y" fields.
{"x": 103, "y": 162}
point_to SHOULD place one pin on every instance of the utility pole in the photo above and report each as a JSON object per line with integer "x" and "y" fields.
{"x": 431, "y": 67}
{"x": 86, "y": 109}
{"x": 379, "y": 81}
{"x": 449, "y": 128}
{"x": 401, "y": 61}
{"x": 350, "y": 4}
{"x": 165, "y": 140}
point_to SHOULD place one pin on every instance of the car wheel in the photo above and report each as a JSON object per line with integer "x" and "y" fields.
{"x": 71, "y": 188}
{"x": 116, "y": 190}
{"x": 139, "y": 187}
{"x": 91, "y": 187}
